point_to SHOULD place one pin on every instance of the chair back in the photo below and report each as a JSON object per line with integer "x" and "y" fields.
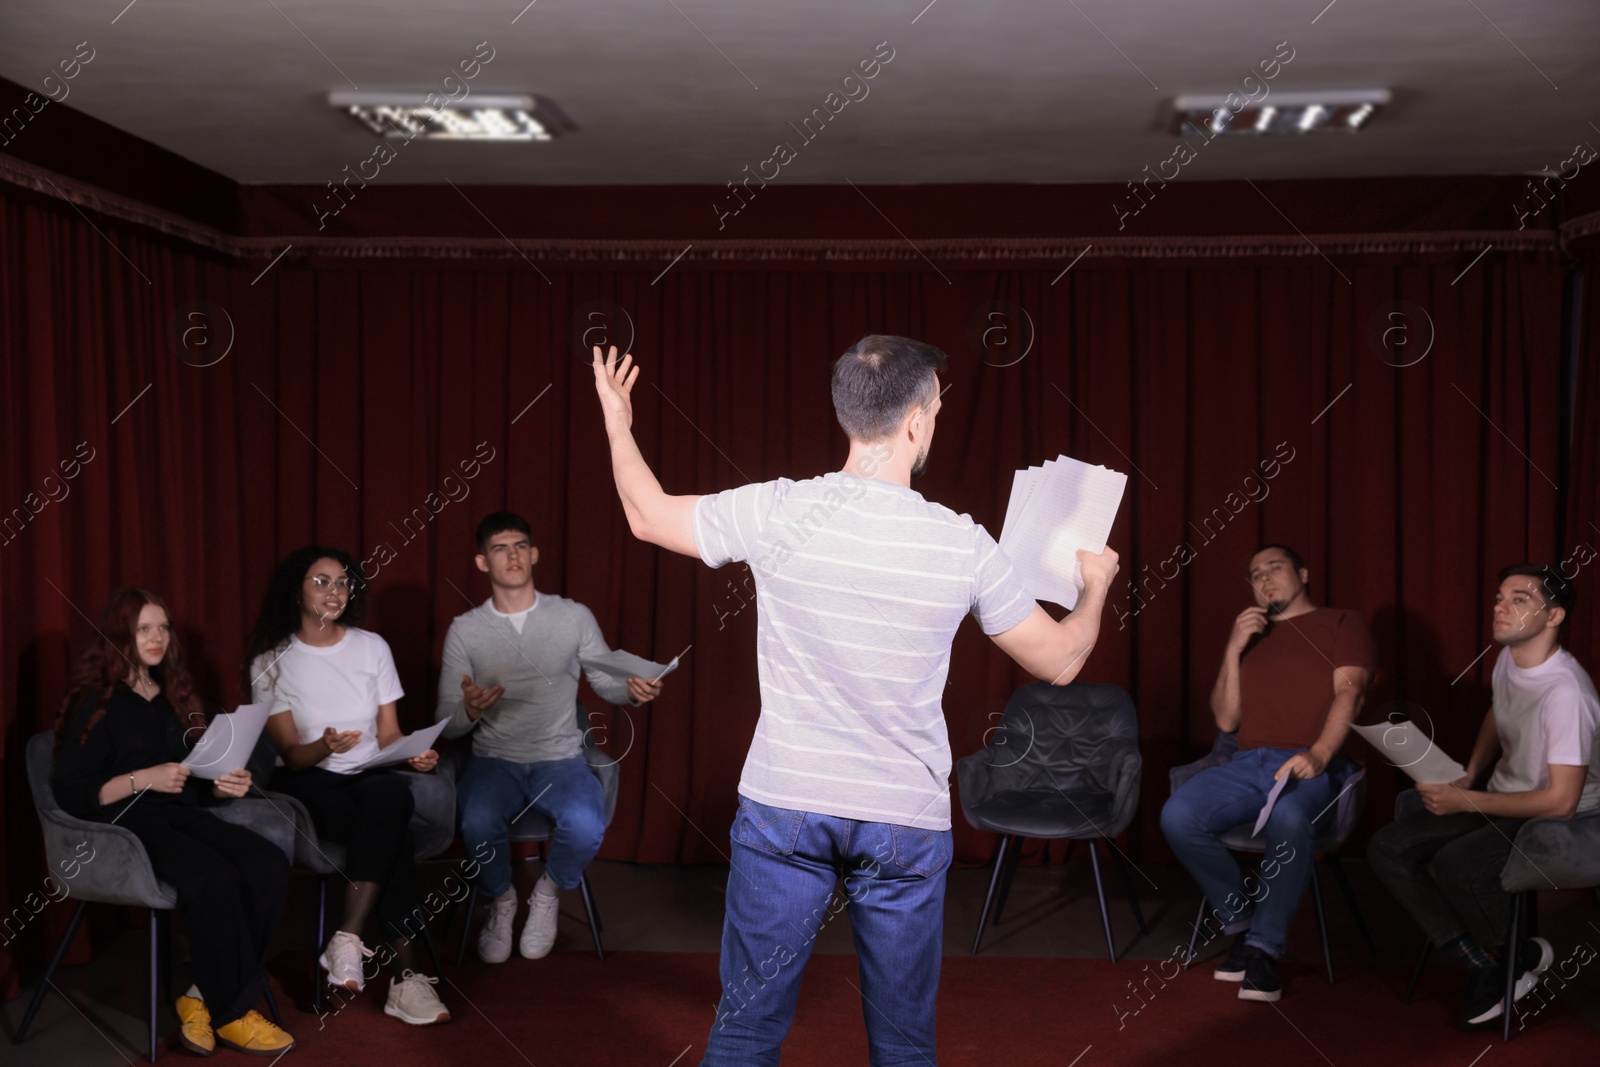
{"x": 1078, "y": 743}
{"x": 97, "y": 862}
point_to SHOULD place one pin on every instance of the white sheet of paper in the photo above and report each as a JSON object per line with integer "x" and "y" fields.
{"x": 625, "y": 665}
{"x": 1266, "y": 809}
{"x": 1057, "y": 509}
{"x": 408, "y": 747}
{"x": 1413, "y": 751}
{"x": 228, "y": 741}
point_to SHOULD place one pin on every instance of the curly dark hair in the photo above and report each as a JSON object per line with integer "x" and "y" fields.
{"x": 281, "y": 606}
{"x": 105, "y": 663}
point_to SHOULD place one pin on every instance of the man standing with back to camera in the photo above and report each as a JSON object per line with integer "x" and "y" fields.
{"x": 860, "y": 587}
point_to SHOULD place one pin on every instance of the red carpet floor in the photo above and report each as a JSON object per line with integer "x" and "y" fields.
{"x": 655, "y": 1009}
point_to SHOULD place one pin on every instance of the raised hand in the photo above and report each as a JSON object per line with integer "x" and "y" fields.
{"x": 1250, "y": 621}
{"x": 1098, "y": 567}
{"x": 477, "y": 697}
{"x": 613, "y": 382}
{"x": 340, "y": 742}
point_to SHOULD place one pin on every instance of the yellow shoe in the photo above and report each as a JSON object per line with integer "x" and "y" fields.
{"x": 195, "y": 1033}
{"x": 252, "y": 1033}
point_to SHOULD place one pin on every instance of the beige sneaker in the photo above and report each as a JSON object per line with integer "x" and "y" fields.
{"x": 539, "y": 932}
{"x": 412, "y": 998}
{"x": 342, "y": 960}
{"x": 494, "y": 940}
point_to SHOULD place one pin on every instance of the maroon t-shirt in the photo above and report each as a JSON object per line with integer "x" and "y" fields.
{"x": 1286, "y": 677}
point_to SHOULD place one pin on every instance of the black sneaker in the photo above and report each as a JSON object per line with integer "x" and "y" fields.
{"x": 1484, "y": 1005}
{"x": 1231, "y": 969}
{"x": 1260, "y": 977}
{"x": 1486, "y": 991}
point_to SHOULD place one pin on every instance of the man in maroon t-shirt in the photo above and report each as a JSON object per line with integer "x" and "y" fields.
{"x": 1293, "y": 679}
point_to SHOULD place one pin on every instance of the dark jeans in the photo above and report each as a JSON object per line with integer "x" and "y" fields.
{"x": 781, "y": 894}
{"x": 1445, "y": 871}
{"x": 230, "y": 884}
{"x": 370, "y": 815}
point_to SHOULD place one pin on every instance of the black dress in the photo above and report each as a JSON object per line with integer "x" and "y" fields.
{"x": 230, "y": 880}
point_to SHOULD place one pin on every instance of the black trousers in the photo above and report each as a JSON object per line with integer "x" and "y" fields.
{"x": 1445, "y": 871}
{"x": 230, "y": 884}
{"x": 370, "y": 815}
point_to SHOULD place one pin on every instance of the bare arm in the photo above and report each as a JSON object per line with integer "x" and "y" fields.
{"x": 1559, "y": 799}
{"x": 296, "y": 756}
{"x": 1349, "y": 694}
{"x": 653, "y": 515}
{"x": 1226, "y": 707}
{"x": 1053, "y": 651}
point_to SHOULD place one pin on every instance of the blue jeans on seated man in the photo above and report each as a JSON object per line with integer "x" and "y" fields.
{"x": 781, "y": 893}
{"x": 492, "y": 792}
{"x": 1220, "y": 798}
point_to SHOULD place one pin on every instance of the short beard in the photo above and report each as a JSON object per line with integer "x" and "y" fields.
{"x": 920, "y": 464}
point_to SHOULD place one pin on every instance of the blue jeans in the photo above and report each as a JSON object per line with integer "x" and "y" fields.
{"x": 1220, "y": 798}
{"x": 492, "y": 792}
{"x": 781, "y": 893}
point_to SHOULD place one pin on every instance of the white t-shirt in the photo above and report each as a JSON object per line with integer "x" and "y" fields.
{"x": 860, "y": 587}
{"x": 340, "y": 685}
{"x": 516, "y": 618}
{"x": 1545, "y": 714}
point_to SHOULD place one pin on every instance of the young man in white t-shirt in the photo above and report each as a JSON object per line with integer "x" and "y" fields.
{"x": 1444, "y": 863}
{"x": 861, "y": 584}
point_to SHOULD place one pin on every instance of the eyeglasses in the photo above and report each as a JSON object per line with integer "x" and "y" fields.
{"x": 340, "y": 585}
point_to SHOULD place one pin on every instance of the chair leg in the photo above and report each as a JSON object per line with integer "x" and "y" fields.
{"x": 1533, "y": 914}
{"x": 37, "y": 999}
{"x": 1416, "y": 975}
{"x": 1350, "y": 899}
{"x": 272, "y": 1005}
{"x": 1100, "y": 891}
{"x": 1194, "y": 934}
{"x": 164, "y": 961}
{"x": 155, "y": 977}
{"x": 316, "y": 949}
{"x": 433, "y": 953}
{"x": 1127, "y": 887}
{"x": 1511, "y": 966}
{"x": 593, "y": 915}
{"x": 994, "y": 882}
{"x": 466, "y": 921}
{"x": 1005, "y": 881}
{"x": 1322, "y": 921}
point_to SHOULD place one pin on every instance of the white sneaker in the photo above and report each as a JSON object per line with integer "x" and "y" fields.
{"x": 342, "y": 960}
{"x": 539, "y": 932}
{"x": 412, "y": 998}
{"x": 494, "y": 940}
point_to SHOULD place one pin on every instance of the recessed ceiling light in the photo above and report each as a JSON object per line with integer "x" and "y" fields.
{"x": 475, "y": 117}
{"x": 1341, "y": 111}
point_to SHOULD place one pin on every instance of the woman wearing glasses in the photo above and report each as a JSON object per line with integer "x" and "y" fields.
{"x": 333, "y": 688}
{"x": 124, "y": 730}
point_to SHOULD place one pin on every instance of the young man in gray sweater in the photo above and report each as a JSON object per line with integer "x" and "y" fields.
{"x": 510, "y": 679}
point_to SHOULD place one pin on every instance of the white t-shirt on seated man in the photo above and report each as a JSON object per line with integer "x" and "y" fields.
{"x": 1545, "y": 715}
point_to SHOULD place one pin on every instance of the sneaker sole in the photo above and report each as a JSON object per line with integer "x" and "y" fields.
{"x": 355, "y": 985}
{"x": 414, "y": 1020}
{"x": 1227, "y": 976}
{"x": 225, "y": 1043}
{"x": 1265, "y": 996}
{"x": 539, "y": 955}
{"x": 495, "y": 958}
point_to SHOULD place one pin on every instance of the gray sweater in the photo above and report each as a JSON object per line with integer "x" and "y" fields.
{"x": 536, "y": 719}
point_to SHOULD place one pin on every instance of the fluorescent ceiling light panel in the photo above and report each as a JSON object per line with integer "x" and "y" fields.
{"x": 1335, "y": 111}
{"x": 475, "y": 117}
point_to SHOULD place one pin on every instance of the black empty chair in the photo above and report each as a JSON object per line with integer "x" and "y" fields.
{"x": 1062, "y": 765}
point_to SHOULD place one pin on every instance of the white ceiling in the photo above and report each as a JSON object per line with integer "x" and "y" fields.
{"x": 978, "y": 90}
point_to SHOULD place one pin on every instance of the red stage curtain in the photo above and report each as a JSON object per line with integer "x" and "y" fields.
{"x": 353, "y": 391}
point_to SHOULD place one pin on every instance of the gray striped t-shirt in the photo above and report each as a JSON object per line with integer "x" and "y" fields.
{"x": 860, "y": 586}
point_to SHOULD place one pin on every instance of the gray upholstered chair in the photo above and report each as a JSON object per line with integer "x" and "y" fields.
{"x": 533, "y": 826}
{"x": 1331, "y": 836}
{"x": 1550, "y": 853}
{"x": 1062, "y": 765}
{"x": 433, "y": 820}
{"x": 119, "y": 872}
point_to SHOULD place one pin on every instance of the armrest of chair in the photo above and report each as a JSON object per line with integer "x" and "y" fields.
{"x": 1221, "y": 753}
{"x": 1563, "y": 851}
{"x": 1407, "y": 803}
{"x": 99, "y": 861}
{"x": 973, "y": 776}
{"x": 262, "y": 817}
{"x": 307, "y": 850}
{"x": 433, "y": 817}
